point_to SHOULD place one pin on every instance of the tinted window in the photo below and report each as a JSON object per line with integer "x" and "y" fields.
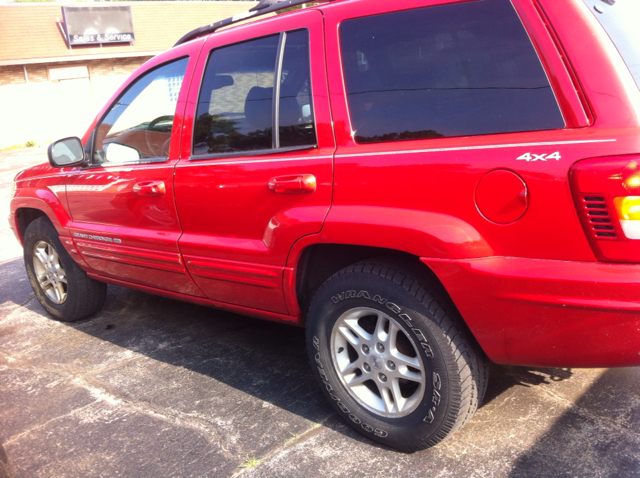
{"x": 296, "y": 109}
{"x": 621, "y": 21}
{"x": 138, "y": 126}
{"x": 236, "y": 99}
{"x": 451, "y": 70}
{"x": 236, "y": 108}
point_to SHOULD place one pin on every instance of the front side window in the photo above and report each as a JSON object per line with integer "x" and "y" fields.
{"x": 449, "y": 70}
{"x": 247, "y": 88}
{"x": 138, "y": 126}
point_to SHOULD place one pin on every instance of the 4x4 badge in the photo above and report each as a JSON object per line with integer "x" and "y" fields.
{"x": 539, "y": 157}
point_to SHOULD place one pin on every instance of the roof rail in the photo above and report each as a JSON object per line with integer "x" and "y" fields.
{"x": 262, "y": 8}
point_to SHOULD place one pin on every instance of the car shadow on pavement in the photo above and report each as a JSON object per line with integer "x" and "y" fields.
{"x": 263, "y": 359}
{"x": 215, "y": 364}
{"x": 15, "y": 289}
{"x": 596, "y": 436}
{"x": 504, "y": 377}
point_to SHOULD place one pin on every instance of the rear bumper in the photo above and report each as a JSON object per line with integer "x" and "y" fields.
{"x": 548, "y": 313}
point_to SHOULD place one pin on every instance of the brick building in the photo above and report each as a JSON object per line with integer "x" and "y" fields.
{"x": 49, "y": 90}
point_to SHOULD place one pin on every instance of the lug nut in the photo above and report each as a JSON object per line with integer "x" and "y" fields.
{"x": 366, "y": 367}
{"x": 380, "y": 348}
{"x": 382, "y": 377}
{"x": 391, "y": 365}
{"x": 365, "y": 349}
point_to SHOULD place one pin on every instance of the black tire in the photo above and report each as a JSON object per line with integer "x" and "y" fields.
{"x": 451, "y": 376}
{"x": 84, "y": 296}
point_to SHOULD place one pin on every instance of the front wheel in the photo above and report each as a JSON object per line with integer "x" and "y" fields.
{"x": 65, "y": 291}
{"x": 396, "y": 364}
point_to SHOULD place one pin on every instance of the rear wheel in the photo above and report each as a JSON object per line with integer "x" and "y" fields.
{"x": 65, "y": 291}
{"x": 396, "y": 364}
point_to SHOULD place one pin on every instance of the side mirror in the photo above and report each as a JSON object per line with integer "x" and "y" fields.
{"x": 66, "y": 152}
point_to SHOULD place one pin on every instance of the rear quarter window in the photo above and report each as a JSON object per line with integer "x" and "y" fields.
{"x": 621, "y": 21}
{"x": 450, "y": 70}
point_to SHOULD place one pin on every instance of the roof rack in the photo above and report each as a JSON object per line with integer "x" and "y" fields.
{"x": 262, "y": 8}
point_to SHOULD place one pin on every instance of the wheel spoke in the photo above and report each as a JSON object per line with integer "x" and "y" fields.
{"x": 399, "y": 400}
{"x": 41, "y": 255}
{"x": 354, "y": 327}
{"x": 388, "y": 399}
{"x": 348, "y": 334}
{"x": 404, "y": 372}
{"x": 402, "y": 359}
{"x": 399, "y": 357}
{"x": 59, "y": 291}
{"x": 358, "y": 380}
{"x": 54, "y": 256}
{"x": 352, "y": 367}
{"x": 380, "y": 334}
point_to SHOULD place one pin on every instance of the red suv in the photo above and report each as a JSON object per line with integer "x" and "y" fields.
{"x": 425, "y": 185}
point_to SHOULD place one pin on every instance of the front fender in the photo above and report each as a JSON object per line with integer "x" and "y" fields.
{"x": 48, "y": 203}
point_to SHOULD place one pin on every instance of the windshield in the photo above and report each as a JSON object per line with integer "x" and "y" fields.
{"x": 621, "y": 20}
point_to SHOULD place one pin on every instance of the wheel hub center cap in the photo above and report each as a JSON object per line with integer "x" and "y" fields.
{"x": 376, "y": 362}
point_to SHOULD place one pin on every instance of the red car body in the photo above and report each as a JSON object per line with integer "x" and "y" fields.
{"x": 499, "y": 219}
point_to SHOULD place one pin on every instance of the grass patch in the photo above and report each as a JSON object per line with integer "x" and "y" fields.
{"x": 250, "y": 462}
{"x": 28, "y": 144}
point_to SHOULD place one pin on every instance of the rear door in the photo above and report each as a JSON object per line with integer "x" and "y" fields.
{"x": 256, "y": 174}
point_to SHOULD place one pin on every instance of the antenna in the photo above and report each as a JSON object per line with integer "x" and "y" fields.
{"x": 262, "y": 8}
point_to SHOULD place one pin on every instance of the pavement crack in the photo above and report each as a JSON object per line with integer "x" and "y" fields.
{"x": 115, "y": 365}
{"x": 100, "y": 392}
{"x": 200, "y": 425}
{"x": 312, "y": 431}
{"x": 29, "y": 299}
{"x": 42, "y": 425}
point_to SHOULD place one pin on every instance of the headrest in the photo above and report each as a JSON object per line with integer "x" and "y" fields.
{"x": 258, "y": 107}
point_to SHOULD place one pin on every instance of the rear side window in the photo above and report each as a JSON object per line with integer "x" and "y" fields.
{"x": 247, "y": 88}
{"x": 450, "y": 70}
{"x": 621, "y": 20}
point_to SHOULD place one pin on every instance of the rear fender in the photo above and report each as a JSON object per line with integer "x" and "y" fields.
{"x": 423, "y": 234}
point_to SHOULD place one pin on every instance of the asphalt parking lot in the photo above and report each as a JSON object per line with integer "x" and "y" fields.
{"x": 152, "y": 387}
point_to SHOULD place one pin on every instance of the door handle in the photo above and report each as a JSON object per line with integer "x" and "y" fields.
{"x": 297, "y": 183}
{"x": 150, "y": 188}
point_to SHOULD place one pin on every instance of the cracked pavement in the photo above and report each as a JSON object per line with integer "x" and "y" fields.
{"x": 152, "y": 387}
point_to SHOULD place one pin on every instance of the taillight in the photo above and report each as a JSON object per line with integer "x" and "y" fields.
{"x": 607, "y": 196}
{"x": 629, "y": 215}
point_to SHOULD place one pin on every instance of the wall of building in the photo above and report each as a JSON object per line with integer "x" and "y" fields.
{"x": 38, "y": 108}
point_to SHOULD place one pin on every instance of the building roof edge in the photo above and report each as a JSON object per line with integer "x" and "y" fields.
{"x": 59, "y": 59}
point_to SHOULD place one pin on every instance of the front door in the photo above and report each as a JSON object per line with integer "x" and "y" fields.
{"x": 257, "y": 173}
{"x": 125, "y": 223}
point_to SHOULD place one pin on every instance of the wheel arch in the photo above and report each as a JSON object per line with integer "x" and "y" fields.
{"x": 318, "y": 262}
{"x": 25, "y": 210}
{"x": 25, "y": 216}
